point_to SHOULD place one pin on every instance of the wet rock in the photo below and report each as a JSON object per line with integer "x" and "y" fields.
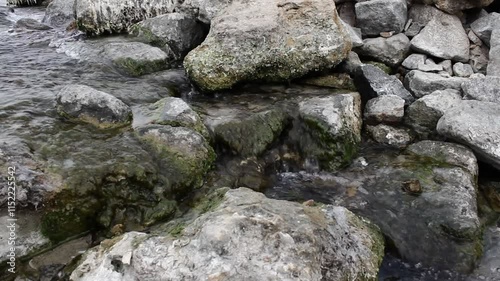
{"x": 455, "y": 6}
{"x": 392, "y": 136}
{"x": 85, "y": 104}
{"x": 483, "y": 26}
{"x": 443, "y": 37}
{"x": 493, "y": 68}
{"x": 373, "y": 82}
{"x": 476, "y": 124}
{"x": 488, "y": 267}
{"x": 296, "y": 42}
{"x": 169, "y": 111}
{"x": 249, "y": 135}
{"x": 413, "y": 61}
{"x": 378, "y": 16}
{"x": 115, "y": 16}
{"x": 462, "y": 70}
{"x": 424, "y": 114}
{"x": 384, "y": 109}
{"x": 333, "y": 80}
{"x": 483, "y": 89}
{"x": 423, "y": 83}
{"x": 391, "y": 51}
{"x": 60, "y": 13}
{"x": 137, "y": 58}
{"x": 268, "y": 231}
{"x": 175, "y": 33}
{"x": 332, "y": 129}
{"x": 184, "y": 155}
{"x": 479, "y": 57}
{"x": 31, "y": 24}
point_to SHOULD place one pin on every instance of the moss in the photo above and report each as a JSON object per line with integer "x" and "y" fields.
{"x": 211, "y": 201}
{"x": 139, "y": 68}
{"x": 162, "y": 211}
{"x": 382, "y": 66}
{"x": 177, "y": 230}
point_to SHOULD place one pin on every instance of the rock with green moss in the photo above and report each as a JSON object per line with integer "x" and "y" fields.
{"x": 176, "y": 33}
{"x": 260, "y": 40}
{"x": 137, "y": 58}
{"x": 332, "y": 126}
{"x": 170, "y": 111}
{"x": 277, "y": 240}
{"x": 184, "y": 155}
{"x": 332, "y": 80}
{"x": 85, "y": 104}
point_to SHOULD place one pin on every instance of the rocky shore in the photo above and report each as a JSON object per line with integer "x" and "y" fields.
{"x": 269, "y": 140}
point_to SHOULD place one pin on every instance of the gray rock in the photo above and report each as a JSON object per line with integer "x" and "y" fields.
{"x": 31, "y": 24}
{"x": 85, "y": 104}
{"x": 423, "y": 83}
{"x": 373, "y": 82}
{"x": 333, "y": 129}
{"x": 443, "y": 37}
{"x": 277, "y": 240}
{"x": 388, "y": 135}
{"x": 354, "y": 34}
{"x": 430, "y": 66}
{"x": 477, "y": 125}
{"x": 331, "y": 80}
{"x": 462, "y": 70}
{"x": 414, "y": 60}
{"x": 447, "y": 66}
{"x": 137, "y": 58}
{"x": 351, "y": 63}
{"x": 491, "y": 190}
{"x": 424, "y": 114}
{"x": 493, "y": 68}
{"x": 479, "y": 57}
{"x": 385, "y": 109}
{"x": 235, "y": 49}
{"x": 175, "y": 33}
{"x": 488, "y": 268}
{"x": 474, "y": 39}
{"x": 378, "y": 16}
{"x": 483, "y": 26}
{"x": 60, "y": 13}
{"x": 391, "y": 51}
{"x": 456, "y": 6}
{"x": 206, "y": 10}
{"x": 423, "y": 14}
{"x": 482, "y": 89}
{"x": 115, "y": 16}
{"x": 413, "y": 29}
{"x": 347, "y": 12}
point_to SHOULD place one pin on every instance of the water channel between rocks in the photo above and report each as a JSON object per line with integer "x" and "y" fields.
{"x": 35, "y": 65}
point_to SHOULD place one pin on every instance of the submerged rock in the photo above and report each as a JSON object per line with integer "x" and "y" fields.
{"x": 137, "y": 58}
{"x": 332, "y": 129}
{"x": 60, "y": 12}
{"x": 85, "y": 104}
{"x": 276, "y": 240}
{"x": 31, "y": 24}
{"x": 263, "y": 40}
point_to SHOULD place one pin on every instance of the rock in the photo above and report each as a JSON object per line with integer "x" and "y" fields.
{"x": 477, "y": 125}
{"x": 31, "y": 24}
{"x": 491, "y": 190}
{"x": 413, "y": 30}
{"x": 332, "y": 80}
{"x": 248, "y": 135}
{"x": 488, "y": 268}
{"x": 384, "y": 134}
{"x": 350, "y": 64}
{"x": 378, "y": 16}
{"x": 430, "y": 66}
{"x": 483, "y": 26}
{"x": 423, "y": 83}
{"x": 384, "y": 109}
{"x": 424, "y": 114}
{"x": 473, "y": 38}
{"x": 479, "y": 58}
{"x": 137, "y": 58}
{"x": 462, "y": 70}
{"x": 423, "y": 14}
{"x": 60, "y": 13}
{"x": 206, "y": 10}
{"x": 175, "y": 33}
{"x": 184, "y": 155}
{"x": 294, "y": 45}
{"x": 447, "y": 66}
{"x": 276, "y": 240}
{"x": 85, "y": 104}
{"x": 482, "y": 89}
{"x": 391, "y": 51}
{"x": 414, "y": 60}
{"x": 456, "y": 6}
{"x": 169, "y": 111}
{"x": 443, "y": 37}
{"x": 116, "y": 16}
{"x": 354, "y": 34}
{"x": 347, "y": 12}
{"x": 373, "y": 82}
{"x": 493, "y": 68}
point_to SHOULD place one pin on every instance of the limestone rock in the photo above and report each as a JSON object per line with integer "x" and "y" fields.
{"x": 261, "y": 40}
{"x": 378, "y": 16}
{"x": 137, "y": 58}
{"x": 85, "y": 104}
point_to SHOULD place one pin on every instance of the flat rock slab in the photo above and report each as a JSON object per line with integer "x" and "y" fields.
{"x": 476, "y": 124}
{"x": 136, "y": 58}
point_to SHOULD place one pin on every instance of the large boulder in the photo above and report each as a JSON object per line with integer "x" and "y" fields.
{"x": 115, "y": 16}
{"x": 137, "y": 58}
{"x": 376, "y": 16}
{"x": 175, "y": 33}
{"x": 332, "y": 128}
{"x": 423, "y": 83}
{"x": 85, "y": 104}
{"x": 391, "y": 51}
{"x": 443, "y": 37}
{"x": 482, "y": 89}
{"x": 60, "y": 12}
{"x": 265, "y": 40}
{"x": 476, "y": 124}
{"x": 277, "y": 240}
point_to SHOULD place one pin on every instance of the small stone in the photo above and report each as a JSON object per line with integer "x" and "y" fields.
{"x": 396, "y": 137}
{"x": 388, "y": 109}
{"x": 386, "y": 34}
{"x": 462, "y": 70}
{"x": 412, "y": 187}
{"x": 447, "y": 66}
{"x": 414, "y": 29}
{"x": 414, "y": 60}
